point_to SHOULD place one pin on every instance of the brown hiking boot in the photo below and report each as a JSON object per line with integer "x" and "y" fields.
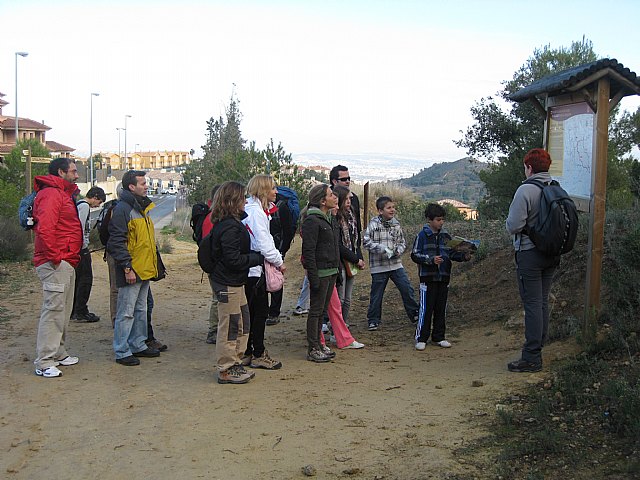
{"x": 157, "y": 344}
{"x": 266, "y": 362}
{"x": 236, "y": 375}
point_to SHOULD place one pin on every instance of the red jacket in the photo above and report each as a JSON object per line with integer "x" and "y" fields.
{"x": 206, "y": 223}
{"x": 58, "y": 229}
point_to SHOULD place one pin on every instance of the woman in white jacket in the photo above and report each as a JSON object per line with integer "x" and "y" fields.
{"x": 261, "y": 190}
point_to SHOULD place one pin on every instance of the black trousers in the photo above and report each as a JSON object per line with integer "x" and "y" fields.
{"x": 258, "y": 301}
{"x": 276, "y": 303}
{"x": 433, "y": 305}
{"x": 149, "y": 312}
{"x": 535, "y": 275}
{"x": 84, "y": 281}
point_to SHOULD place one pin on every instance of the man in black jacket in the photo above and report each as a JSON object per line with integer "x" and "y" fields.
{"x": 339, "y": 175}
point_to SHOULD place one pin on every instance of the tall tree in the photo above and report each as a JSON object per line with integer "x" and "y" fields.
{"x": 504, "y": 136}
{"x": 224, "y": 149}
{"x": 228, "y": 157}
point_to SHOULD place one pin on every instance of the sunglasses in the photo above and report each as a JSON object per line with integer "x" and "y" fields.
{"x": 344, "y": 179}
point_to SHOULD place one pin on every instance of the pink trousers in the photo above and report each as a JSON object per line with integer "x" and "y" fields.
{"x": 340, "y": 330}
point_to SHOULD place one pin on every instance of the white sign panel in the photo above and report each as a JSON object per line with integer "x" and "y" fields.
{"x": 570, "y": 144}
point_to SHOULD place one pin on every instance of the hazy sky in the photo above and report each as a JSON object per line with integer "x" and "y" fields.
{"x": 319, "y": 76}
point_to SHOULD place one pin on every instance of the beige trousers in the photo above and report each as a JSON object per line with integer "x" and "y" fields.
{"x": 233, "y": 326}
{"x": 58, "y": 285}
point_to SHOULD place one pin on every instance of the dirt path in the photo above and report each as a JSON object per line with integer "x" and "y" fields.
{"x": 384, "y": 412}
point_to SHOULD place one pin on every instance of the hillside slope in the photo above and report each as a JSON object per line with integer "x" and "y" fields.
{"x": 458, "y": 180}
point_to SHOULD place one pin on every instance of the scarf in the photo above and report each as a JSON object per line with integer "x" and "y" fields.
{"x": 349, "y": 229}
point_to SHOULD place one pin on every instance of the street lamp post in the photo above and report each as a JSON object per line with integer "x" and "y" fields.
{"x": 91, "y": 140}
{"x": 119, "y": 129}
{"x": 21, "y": 54}
{"x": 125, "y": 141}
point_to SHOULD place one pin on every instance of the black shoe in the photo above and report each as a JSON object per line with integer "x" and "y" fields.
{"x": 273, "y": 321}
{"x": 148, "y": 352}
{"x": 522, "y": 366}
{"x": 129, "y": 361}
{"x": 86, "y": 317}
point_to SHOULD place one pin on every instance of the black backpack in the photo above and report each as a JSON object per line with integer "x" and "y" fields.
{"x": 207, "y": 264}
{"x": 199, "y": 212}
{"x": 557, "y": 226}
{"x": 102, "y": 223}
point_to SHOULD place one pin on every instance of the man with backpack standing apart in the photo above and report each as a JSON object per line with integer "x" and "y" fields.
{"x": 58, "y": 239}
{"x": 536, "y": 263}
{"x": 84, "y": 272}
{"x": 132, "y": 245}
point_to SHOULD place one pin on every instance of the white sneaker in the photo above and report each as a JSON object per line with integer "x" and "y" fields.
{"x": 50, "y": 372}
{"x": 68, "y": 360}
{"x": 421, "y": 345}
{"x": 443, "y": 344}
{"x": 354, "y": 344}
{"x": 325, "y": 328}
{"x": 300, "y": 311}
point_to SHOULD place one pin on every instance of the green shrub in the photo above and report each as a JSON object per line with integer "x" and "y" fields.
{"x": 15, "y": 243}
{"x": 621, "y": 270}
{"x": 10, "y": 196}
{"x": 168, "y": 230}
{"x": 165, "y": 245}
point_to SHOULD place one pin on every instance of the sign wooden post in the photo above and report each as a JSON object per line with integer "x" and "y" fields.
{"x": 28, "y": 179}
{"x": 366, "y": 205}
{"x": 597, "y": 211}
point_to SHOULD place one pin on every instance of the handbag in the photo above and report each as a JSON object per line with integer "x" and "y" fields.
{"x": 350, "y": 269}
{"x": 273, "y": 276}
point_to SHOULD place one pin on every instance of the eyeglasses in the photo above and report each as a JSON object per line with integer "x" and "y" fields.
{"x": 344, "y": 179}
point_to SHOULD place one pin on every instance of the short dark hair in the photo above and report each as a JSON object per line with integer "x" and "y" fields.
{"x": 130, "y": 178}
{"x": 538, "y": 159}
{"x": 335, "y": 172}
{"x": 60, "y": 163}
{"x": 382, "y": 202}
{"x": 96, "y": 192}
{"x": 434, "y": 210}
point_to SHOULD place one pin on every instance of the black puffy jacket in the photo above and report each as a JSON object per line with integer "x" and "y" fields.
{"x": 231, "y": 249}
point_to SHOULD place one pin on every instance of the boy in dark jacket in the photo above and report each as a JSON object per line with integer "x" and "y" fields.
{"x": 434, "y": 267}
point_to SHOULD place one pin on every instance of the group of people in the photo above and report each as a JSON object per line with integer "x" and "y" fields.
{"x": 242, "y": 239}
{"x": 63, "y": 264}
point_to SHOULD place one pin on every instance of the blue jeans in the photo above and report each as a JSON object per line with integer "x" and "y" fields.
{"x": 303, "y": 299}
{"x": 535, "y": 274}
{"x": 130, "y": 329}
{"x": 379, "y": 283}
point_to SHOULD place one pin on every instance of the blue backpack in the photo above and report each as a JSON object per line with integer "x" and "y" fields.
{"x": 292, "y": 202}
{"x": 25, "y": 211}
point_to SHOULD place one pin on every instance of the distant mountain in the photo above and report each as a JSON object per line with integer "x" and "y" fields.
{"x": 364, "y": 167}
{"x": 456, "y": 180}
